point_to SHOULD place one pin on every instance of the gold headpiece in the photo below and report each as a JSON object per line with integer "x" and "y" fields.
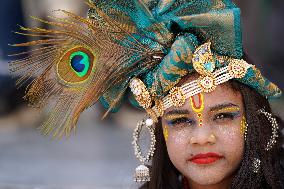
{"x": 204, "y": 63}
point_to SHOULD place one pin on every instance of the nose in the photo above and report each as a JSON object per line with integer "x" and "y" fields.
{"x": 203, "y": 137}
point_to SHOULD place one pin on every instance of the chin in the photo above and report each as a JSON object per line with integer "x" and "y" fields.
{"x": 206, "y": 175}
{"x": 206, "y": 179}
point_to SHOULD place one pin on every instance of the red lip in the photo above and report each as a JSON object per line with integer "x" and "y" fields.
{"x": 205, "y": 158}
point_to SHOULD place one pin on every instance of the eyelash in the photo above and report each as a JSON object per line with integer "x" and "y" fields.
{"x": 225, "y": 116}
{"x": 217, "y": 117}
{"x": 180, "y": 121}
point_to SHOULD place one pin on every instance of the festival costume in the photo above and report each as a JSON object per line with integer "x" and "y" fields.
{"x": 136, "y": 51}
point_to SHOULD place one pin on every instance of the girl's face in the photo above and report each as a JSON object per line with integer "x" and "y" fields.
{"x": 204, "y": 138}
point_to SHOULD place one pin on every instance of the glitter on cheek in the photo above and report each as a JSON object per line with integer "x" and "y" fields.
{"x": 179, "y": 137}
{"x": 177, "y": 147}
{"x": 232, "y": 143}
{"x": 227, "y": 133}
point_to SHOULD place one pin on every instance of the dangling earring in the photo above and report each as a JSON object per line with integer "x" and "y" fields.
{"x": 244, "y": 127}
{"x": 275, "y": 128}
{"x": 256, "y": 165}
{"x": 142, "y": 172}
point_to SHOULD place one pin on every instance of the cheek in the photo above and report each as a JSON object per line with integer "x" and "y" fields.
{"x": 231, "y": 140}
{"x": 177, "y": 146}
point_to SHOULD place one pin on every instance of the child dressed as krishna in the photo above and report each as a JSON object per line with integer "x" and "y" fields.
{"x": 208, "y": 114}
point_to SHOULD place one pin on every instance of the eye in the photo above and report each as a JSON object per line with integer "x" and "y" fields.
{"x": 180, "y": 121}
{"x": 225, "y": 116}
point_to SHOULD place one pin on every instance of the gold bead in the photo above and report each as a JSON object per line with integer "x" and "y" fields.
{"x": 177, "y": 96}
{"x": 160, "y": 107}
{"x": 140, "y": 93}
{"x": 152, "y": 114}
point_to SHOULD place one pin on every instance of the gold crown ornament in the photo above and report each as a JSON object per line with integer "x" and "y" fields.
{"x": 204, "y": 63}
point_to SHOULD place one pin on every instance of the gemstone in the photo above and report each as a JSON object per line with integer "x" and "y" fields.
{"x": 208, "y": 66}
{"x": 196, "y": 59}
{"x": 207, "y": 83}
{"x": 202, "y": 50}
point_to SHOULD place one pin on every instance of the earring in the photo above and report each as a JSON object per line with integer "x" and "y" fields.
{"x": 142, "y": 173}
{"x": 275, "y": 128}
{"x": 244, "y": 127}
{"x": 256, "y": 165}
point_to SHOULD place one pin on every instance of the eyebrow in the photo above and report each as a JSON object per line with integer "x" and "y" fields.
{"x": 212, "y": 109}
{"x": 223, "y": 106}
{"x": 177, "y": 111}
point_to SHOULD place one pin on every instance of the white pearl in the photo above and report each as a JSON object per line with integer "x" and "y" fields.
{"x": 149, "y": 122}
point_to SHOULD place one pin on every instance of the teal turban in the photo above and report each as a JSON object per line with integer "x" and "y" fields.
{"x": 177, "y": 28}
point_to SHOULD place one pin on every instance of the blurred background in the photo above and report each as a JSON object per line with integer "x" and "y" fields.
{"x": 100, "y": 155}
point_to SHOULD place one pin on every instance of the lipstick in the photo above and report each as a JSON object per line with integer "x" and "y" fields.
{"x": 205, "y": 158}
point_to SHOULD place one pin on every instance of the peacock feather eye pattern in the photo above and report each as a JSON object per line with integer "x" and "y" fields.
{"x": 80, "y": 63}
{"x": 76, "y": 65}
{"x": 79, "y": 60}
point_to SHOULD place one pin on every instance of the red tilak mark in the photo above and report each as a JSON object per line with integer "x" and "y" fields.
{"x": 199, "y": 99}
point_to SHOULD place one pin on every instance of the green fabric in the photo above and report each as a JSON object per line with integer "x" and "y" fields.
{"x": 183, "y": 26}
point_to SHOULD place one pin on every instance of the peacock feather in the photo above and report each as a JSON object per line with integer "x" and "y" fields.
{"x": 80, "y": 59}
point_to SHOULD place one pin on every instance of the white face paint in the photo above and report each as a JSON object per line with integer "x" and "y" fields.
{"x": 220, "y": 135}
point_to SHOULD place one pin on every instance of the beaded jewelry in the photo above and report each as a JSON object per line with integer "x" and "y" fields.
{"x": 256, "y": 165}
{"x": 142, "y": 172}
{"x": 85, "y": 60}
{"x": 141, "y": 93}
{"x": 244, "y": 127}
{"x": 275, "y": 128}
{"x": 204, "y": 64}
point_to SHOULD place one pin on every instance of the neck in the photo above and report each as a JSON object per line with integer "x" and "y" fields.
{"x": 224, "y": 184}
